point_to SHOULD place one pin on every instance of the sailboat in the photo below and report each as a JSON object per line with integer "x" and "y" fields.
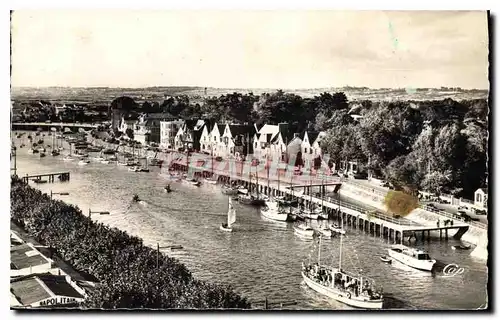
{"x": 68, "y": 157}
{"x": 349, "y": 288}
{"x": 250, "y": 199}
{"x": 231, "y": 217}
{"x": 55, "y": 152}
{"x": 212, "y": 179}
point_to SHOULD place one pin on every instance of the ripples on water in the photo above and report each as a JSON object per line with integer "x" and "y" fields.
{"x": 261, "y": 258}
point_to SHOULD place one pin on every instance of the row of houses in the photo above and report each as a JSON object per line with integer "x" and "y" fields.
{"x": 37, "y": 281}
{"x": 226, "y": 140}
{"x": 273, "y": 142}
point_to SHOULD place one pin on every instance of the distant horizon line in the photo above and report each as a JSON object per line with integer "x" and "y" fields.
{"x": 248, "y": 88}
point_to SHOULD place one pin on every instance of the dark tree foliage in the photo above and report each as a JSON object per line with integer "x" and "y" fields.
{"x": 126, "y": 269}
{"x": 124, "y": 103}
{"x": 438, "y": 146}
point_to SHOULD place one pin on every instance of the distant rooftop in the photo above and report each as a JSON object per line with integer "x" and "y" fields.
{"x": 33, "y": 288}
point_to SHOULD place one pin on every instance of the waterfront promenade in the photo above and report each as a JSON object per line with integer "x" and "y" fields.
{"x": 191, "y": 216}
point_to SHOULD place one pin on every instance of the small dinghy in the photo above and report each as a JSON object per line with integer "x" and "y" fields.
{"x": 385, "y": 259}
{"x": 461, "y": 247}
{"x": 167, "y": 189}
{"x": 336, "y": 228}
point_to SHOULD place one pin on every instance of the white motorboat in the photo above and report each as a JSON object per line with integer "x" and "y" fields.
{"x": 309, "y": 214}
{"x": 83, "y": 162}
{"x": 242, "y": 190}
{"x": 211, "y": 181}
{"x": 304, "y": 230}
{"x": 68, "y": 158}
{"x": 231, "y": 217}
{"x": 272, "y": 211}
{"x": 336, "y": 228}
{"x": 105, "y": 161}
{"x": 412, "y": 257}
{"x": 193, "y": 182}
{"x": 337, "y": 284}
{"x": 99, "y": 159}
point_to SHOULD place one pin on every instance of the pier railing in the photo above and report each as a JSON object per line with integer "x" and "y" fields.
{"x": 371, "y": 213}
{"x": 454, "y": 217}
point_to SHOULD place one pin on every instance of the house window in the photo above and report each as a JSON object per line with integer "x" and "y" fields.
{"x": 305, "y": 150}
{"x": 478, "y": 197}
{"x": 215, "y": 139}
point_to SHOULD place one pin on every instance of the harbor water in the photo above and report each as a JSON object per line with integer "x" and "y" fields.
{"x": 260, "y": 258}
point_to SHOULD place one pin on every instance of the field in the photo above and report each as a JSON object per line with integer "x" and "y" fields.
{"x": 196, "y": 94}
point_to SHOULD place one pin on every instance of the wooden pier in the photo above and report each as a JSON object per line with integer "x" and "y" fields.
{"x": 62, "y": 176}
{"x": 374, "y": 222}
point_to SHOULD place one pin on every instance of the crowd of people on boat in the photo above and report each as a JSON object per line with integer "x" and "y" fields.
{"x": 351, "y": 286}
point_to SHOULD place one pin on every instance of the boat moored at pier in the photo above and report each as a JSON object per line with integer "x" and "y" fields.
{"x": 412, "y": 257}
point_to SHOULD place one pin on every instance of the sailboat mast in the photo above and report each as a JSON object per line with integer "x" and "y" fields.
{"x": 228, "y": 212}
{"x": 310, "y": 186}
{"x": 322, "y": 194}
{"x": 319, "y": 251}
{"x": 341, "y": 236}
{"x": 291, "y": 187}
{"x": 267, "y": 164}
{"x": 257, "y": 180}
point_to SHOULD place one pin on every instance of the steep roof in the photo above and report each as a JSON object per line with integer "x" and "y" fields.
{"x": 312, "y": 135}
{"x": 221, "y": 128}
{"x": 190, "y": 124}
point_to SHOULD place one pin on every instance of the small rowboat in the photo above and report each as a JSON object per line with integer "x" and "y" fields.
{"x": 385, "y": 259}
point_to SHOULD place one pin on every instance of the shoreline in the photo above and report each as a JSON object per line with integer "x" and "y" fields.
{"x": 201, "y": 163}
{"x": 138, "y": 260}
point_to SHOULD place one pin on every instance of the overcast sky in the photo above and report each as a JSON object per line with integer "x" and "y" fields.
{"x": 274, "y": 49}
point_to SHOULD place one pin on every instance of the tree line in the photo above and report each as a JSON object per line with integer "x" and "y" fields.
{"x": 128, "y": 272}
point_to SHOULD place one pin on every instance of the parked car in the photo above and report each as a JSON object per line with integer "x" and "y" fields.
{"x": 431, "y": 206}
{"x": 480, "y": 212}
{"x": 468, "y": 218}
